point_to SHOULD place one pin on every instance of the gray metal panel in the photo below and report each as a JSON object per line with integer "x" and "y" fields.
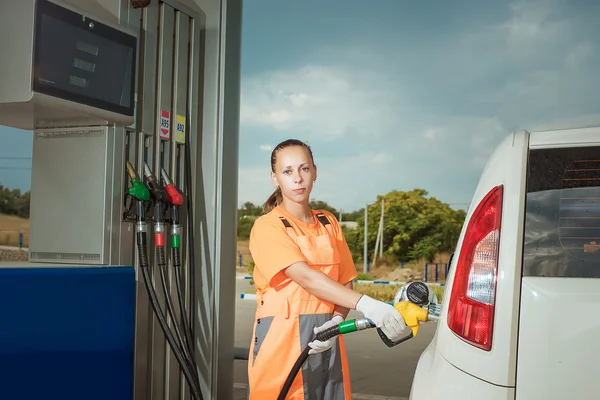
{"x": 165, "y": 102}
{"x": 201, "y": 309}
{"x": 145, "y": 319}
{"x": 132, "y": 18}
{"x": 160, "y": 347}
{"x": 147, "y": 70}
{"x": 178, "y": 385}
{"x": 215, "y": 177}
{"x": 16, "y": 39}
{"x": 118, "y": 233}
{"x": 164, "y": 88}
{"x": 69, "y": 215}
{"x": 180, "y": 87}
{"x": 227, "y": 178}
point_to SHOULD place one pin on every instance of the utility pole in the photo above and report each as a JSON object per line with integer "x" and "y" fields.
{"x": 376, "y": 243}
{"x": 381, "y": 227}
{"x": 365, "y": 267}
{"x": 379, "y": 240}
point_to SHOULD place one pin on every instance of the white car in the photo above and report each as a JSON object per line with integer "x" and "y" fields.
{"x": 520, "y": 315}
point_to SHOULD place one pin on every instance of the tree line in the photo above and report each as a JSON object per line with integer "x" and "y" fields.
{"x": 13, "y": 202}
{"x": 416, "y": 226}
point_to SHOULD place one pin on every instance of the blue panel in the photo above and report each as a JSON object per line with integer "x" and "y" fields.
{"x": 67, "y": 333}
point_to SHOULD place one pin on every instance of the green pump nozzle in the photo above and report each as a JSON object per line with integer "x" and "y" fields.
{"x": 137, "y": 188}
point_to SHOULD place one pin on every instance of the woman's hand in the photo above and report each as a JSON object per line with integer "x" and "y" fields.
{"x": 318, "y": 346}
{"x": 383, "y": 315}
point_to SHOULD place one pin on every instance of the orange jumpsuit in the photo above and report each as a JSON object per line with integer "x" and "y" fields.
{"x": 286, "y": 314}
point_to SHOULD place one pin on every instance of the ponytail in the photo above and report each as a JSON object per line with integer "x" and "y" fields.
{"x": 273, "y": 201}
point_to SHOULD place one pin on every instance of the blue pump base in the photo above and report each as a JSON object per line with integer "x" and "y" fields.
{"x": 67, "y": 333}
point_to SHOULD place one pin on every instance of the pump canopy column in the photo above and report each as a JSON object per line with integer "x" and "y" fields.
{"x": 134, "y": 109}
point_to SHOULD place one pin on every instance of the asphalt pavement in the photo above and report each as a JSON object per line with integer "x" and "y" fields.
{"x": 376, "y": 371}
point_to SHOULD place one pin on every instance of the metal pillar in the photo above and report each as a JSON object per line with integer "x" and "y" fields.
{"x": 188, "y": 95}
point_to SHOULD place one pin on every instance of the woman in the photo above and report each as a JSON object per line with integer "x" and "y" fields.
{"x": 303, "y": 276}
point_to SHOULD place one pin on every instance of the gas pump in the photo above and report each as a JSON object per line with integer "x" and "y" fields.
{"x": 117, "y": 95}
{"x": 70, "y": 78}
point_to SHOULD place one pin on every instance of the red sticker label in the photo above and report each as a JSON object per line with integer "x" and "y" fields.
{"x": 165, "y": 124}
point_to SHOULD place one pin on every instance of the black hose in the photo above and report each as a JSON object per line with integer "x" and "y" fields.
{"x": 177, "y": 272}
{"x": 143, "y": 257}
{"x": 184, "y": 322}
{"x": 170, "y": 309}
{"x": 324, "y": 335}
{"x": 293, "y": 372}
{"x": 190, "y": 237}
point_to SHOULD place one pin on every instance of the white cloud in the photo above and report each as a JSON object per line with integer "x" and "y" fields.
{"x": 381, "y": 158}
{"x": 579, "y": 55}
{"x": 254, "y": 184}
{"x": 531, "y": 19}
{"x": 266, "y": 147}
{"x": 315, "y": 101}
{"x": 429, "y": 116}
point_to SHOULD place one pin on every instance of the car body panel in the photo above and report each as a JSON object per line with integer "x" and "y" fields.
{"x": 560, "y": 296}
{"x": 451, "y": 368}
{"x": 558, "y": 339}
{"x": 436, "y": 378}
{"x": 505, "y": 167}
{"x": 565, "y": 138}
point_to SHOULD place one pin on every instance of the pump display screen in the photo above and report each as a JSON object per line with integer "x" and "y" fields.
{"x": 82, "y": 60}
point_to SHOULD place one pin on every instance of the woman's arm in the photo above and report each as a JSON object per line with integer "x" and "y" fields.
{"x": 322, "y": 286}
{"x": 343, "y": 311}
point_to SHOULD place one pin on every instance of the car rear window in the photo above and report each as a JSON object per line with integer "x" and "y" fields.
{"x": 562, "y": 213}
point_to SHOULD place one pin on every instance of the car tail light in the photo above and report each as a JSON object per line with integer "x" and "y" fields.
{"x": 471, "y": 308}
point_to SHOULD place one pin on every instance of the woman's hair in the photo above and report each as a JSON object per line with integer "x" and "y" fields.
{"x": 276, "y": 198}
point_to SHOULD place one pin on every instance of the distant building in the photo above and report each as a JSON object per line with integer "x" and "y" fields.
{"x": 349, "y": 224}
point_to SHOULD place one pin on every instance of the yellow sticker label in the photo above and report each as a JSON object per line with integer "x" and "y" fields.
{"x": 180, "y": 129}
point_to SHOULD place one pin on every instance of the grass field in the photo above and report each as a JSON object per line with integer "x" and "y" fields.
{"x": 10, "y": 227}
{"x": 381, "y": 271}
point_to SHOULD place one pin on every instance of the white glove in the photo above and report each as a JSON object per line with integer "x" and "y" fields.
{"x": 383, "y": 315}
{"x": 318, "y": 346}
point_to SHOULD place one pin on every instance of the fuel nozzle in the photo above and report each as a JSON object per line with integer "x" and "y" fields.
{"x": 175, "y": 199}
{"x": 140, "y": 193}
{"x": 416, "y": 309}
{"x": 137, "y": 188}
{"x": 174, "y": 196}
{"x": 159, "y": 193}
{"x": 159, "y": 198}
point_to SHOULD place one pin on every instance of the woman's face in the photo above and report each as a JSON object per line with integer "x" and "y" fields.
{"x": 294, "y": 173}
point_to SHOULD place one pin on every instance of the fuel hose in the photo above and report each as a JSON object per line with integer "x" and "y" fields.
{"x": 175, "y": 199}
{"x": 343, "y": 327}
{"x": 142, "y": 195}
{"x": 141, "y": 229}
{"x": 160, "y": 197}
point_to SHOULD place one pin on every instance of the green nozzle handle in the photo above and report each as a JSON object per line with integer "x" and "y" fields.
{"x": 344, "y": 327}
{"x": 138, "y": 190}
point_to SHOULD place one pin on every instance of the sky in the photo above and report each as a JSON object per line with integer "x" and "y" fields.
{"x": 400, "y": 95}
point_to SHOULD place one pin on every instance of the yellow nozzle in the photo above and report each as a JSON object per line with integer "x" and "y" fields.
{"x": 412, "y": 314}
